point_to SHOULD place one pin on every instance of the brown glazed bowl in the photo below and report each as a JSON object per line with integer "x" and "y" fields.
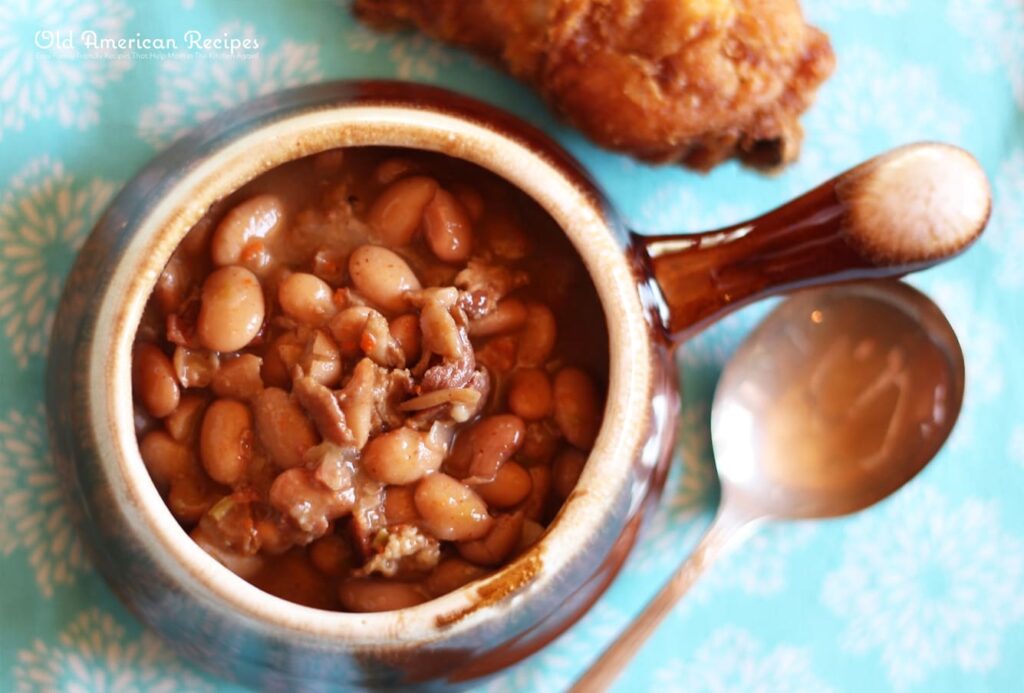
{"x": 654, "y": 293}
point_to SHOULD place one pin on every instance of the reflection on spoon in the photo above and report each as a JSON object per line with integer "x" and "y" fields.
{"x": 836, "y": 400}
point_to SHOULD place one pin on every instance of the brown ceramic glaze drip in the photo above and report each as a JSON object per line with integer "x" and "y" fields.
{"x": 898, "y": 213}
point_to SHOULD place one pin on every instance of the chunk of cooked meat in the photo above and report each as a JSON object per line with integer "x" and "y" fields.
{"x": 371, "y": 398}
{"x": 484, "y": 284}
{"x": 690, "y": 81}
{"x": 402, "y": 549}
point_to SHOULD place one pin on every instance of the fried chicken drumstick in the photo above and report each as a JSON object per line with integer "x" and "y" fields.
{"x": 690, "y": 81}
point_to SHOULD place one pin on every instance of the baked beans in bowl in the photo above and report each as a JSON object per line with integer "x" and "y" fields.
{"x": 369, "y": 377}
{"x": 365, "y": 384}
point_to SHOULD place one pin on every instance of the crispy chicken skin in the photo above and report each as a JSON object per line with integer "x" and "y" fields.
{"x": 690, "y": 81}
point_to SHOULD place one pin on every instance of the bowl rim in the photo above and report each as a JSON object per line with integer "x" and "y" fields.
{"x": 301, "y": 130}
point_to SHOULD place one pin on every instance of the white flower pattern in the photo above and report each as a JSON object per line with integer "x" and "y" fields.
{"x": 929, "y": 583}
{"x": 1006, "y": 231}
{"x": 190, "y": 92}
{"x": 872, "y": 103}
{"x": 45, "y": 213}
{"x": 96, "y": 654}
{"x": 732, "y": 660}
{"x": 57, "y": 83}
{"x": 33, "y": 516}
{"x": 997, "y": 29}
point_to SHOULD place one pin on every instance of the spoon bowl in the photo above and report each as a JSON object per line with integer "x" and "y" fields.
{"x": 840, "y": 397}
{"x": 837, "y": 399}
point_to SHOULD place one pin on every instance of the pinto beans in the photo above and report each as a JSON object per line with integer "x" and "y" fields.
{"x": 225, "y": 442}
{"x": 402, "y": 456}
{"x": 565, "y": 471}
{"x": 479, "y": 452}
{"x": 529, "y": 394}
{"x": 378, "y": 594}
{"x": 306, "y": 297}
{"x": 396, "y": 214}
{"x": 447, "y": 229}
{"x": 365, "y": 402}
{"x": 537, "y": 338}
{"x": 405, "y": 329}
{"x": 382, "y": 276}
{"x": 284, "y": 431}
{"x": 451, "y": 510}
{"x": 154, "y": 381}
{"x": 256, "y": 219}
{"x": 451, "y": 574}
{"x": 231, "y": 312}
{"x": 510, "y": 487}
{"x": 499, "y": 543}
{"x": 577, "y": 407}
{"x": 331, "y": 555}
{"x": 165, "y": 458}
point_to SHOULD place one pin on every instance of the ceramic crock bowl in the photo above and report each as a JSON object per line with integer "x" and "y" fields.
{"x": 654, "y": 292}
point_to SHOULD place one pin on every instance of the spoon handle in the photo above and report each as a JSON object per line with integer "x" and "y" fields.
{"x": 897, "y": 213}
{"x": 729, "y": 527}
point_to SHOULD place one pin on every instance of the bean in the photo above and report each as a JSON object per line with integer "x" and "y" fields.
{"x": 401, "y": 456}
{"x": 405, "y": 329}
{"x": 382, "y": 277}
{"x": 293, "y": 578}
{"x": 577, "y": 411}
{"x": 451, "y": 574}
{"x": 499, "y": 543}
{"x": 470, "y": 199}
{"x": 537, "y": 338}
{"x": 450, "y": 510}
{"x": 397, "y": 212}
{"x": 331, "y": 555}
{"x": 400, "y": 506}
{"x": 508, "y": 316}
{"x": 255, "y": 219}
{"x": 174, "y": 283}
{"x": 153, "y": 379}
{"x": 183, "y": 422}
{"x": 165, "y": 458}
{"x": 347, "y": 329}
{"x": 195, "y": 367}
{"x": 540, "y": 443}
{"x": 275, "y": 534}
{"x": 306, "y": 297}
{"x": 191, "y": 495}
{"x": 225, "y": 442}
{"x": 231, "y": 312}
{"x": 239, "y": 378}
{"x": 536, "y": 504}
{"x": 447, "y": 229}
{"x": 390, "y": 170}
{"x": 532, "y": 532}
{"x": 510, "y": 487}
{"x": 529, "y": 394}
{"x": 284, "y": 431}
{"x": 364, "y": 595}
{"x": 480, "y": 451}
{"x": 565, "y": 471}
{"x": 506, "y": 239}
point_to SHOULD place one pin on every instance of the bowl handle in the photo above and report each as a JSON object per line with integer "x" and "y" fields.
{"x": 900, "y": 212}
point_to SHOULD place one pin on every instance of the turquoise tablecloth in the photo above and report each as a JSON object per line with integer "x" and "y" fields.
{"x": 924, "y": 592}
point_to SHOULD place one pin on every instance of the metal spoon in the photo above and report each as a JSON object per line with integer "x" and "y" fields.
{"x": 840, "y": 397}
